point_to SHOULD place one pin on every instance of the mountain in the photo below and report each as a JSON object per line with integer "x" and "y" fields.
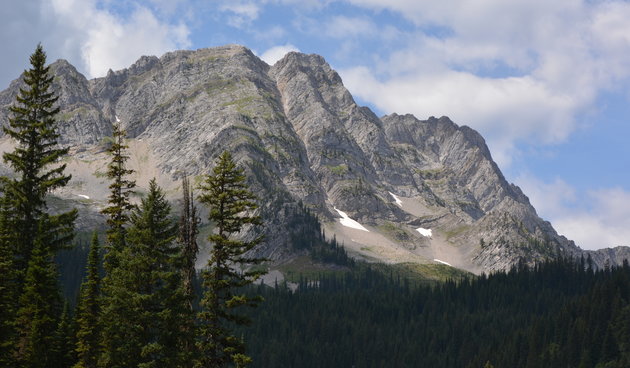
{"x": 390, "y": 189}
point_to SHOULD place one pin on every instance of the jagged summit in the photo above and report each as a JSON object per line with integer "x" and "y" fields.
{"x": 422, "y": 190}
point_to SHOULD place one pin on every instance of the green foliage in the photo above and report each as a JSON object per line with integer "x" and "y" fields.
{"x": 88, "y": 311}
{"x": 35, "y": 157}
{"x": 306, "y": 234}
{"x": 231, "y": 206}
{"x": 557, "y": 314}
{"x": 64, "y": 340}
{"x": 119, "y": 206}
{"x": 30, "y": 237}
{"x": 144, "y": 303}
{"x": 39, "y": 305}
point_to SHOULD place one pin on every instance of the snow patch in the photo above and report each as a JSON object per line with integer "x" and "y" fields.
{"x": 348, "y": 222}
{"x": 442, "y": 262}
{"x": 117, "y": 120}
{"x": 83, "y": 196}
{"x": 425, "y": 232}
{"x": 398, "y": 201}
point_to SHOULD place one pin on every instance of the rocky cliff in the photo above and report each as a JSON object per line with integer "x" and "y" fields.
{"x": 392, "y": 189}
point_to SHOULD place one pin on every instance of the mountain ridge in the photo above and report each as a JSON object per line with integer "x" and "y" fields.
{"x": 301, "y": 137}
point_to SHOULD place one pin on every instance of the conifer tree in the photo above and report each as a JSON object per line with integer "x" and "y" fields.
{"x": 37, "y": 317}
{"x": 231, "y": 207}
{"x": 88, "y": 311}
{"x": 119, "y": 205}
{"x": 146, "y": 303}
{"x": 29, "y": 237}
{"x": 188, "y": 242}
{"x": 64, "y": 340}
{"x": 34, "y": 159}
{"x": 188, "y": 238}
{"x": 8, "y": 287}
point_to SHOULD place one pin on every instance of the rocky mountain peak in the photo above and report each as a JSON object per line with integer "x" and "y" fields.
{"x": 393, "y": 189}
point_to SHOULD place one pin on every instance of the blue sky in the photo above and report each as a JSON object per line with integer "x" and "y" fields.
{"x": 545, "y": 82}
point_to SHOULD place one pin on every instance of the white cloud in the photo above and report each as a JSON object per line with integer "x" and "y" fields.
{"x": 595, "y": 219}
{"x": 242, "y": 13}
{"x": 518, "y": 71}
{"x": 272, "y": 55}
{"x": 108, "y": 42}
{"x": 346, "y": 27}
{"x": 501, "y": 108}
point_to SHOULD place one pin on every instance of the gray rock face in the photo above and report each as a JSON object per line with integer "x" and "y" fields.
{"x": 301, "y": 137}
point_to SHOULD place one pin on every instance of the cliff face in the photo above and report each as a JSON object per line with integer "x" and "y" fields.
{"x": 378, "y": 184}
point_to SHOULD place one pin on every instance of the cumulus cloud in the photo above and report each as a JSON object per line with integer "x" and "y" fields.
{"x": 272, "y": 55}
{"x": 90, "y": 36}
{"x": 345, "y": 27}
{"x": 108, "y": 42}
{"x": 594, "y": 219}
{"x": 518, "y": 71}
{"x": 241, "y": 13}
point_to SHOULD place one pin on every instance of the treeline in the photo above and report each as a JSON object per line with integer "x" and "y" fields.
{"x": 139, "y": 304}
{"x": 558, "y": 314}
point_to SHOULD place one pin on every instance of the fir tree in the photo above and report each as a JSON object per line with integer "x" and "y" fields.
{"x": 231, "y": 206}
{"x": 88, "y": 311}
{"x": 145, "y": 302}
{"x": 119, "y": 205}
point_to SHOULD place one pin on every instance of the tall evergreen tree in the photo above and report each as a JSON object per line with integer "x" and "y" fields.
{"x": 40, "y": 304}
{"x": 188, "y": 238}
{"x": 188, "y": 242}
{"x": 88, "y": 311}
{"x": 35, "y": 159}
{"x": 146, "y": 303}
{"x": 24, "y": 224}
{"x": 119, "y": 205}
{"x": 8, "y": 287}
{"x": 231, "y": 210}
{"x": 64, "y": 340}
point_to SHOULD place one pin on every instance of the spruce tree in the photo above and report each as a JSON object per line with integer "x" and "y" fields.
{"x": 8, "y": 287}
{"x": 145, "y": 303}
{"x": 88, "y": 311}
{"x": 113, "y": 337}
{"x": 188, "y": 243}
{"x": 188, "y": 239}
{"x": 231, "y": 207}
{"x": 40, "y": 304}
{"x": 119, "y": 205}
{"x": 64, "y": 340}
{"x": 26, "y": 230}
{"x": 35, "y": 159}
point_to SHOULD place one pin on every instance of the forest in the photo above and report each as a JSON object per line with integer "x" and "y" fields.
{"x": 561, "y": 313}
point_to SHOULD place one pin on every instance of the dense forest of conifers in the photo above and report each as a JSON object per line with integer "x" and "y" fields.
{"x": 557, "y": 314}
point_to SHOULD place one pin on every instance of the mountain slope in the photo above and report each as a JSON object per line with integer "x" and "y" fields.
{"x": 378, "y": 184}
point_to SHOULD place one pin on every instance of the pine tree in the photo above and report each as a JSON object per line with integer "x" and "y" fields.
{"x": 145, "y": 304}
{"x": 88, "y": 311}
{"x": 34, "y": 128}
{"x": 119, "y": 204}
{"x": 231, "y": 210}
